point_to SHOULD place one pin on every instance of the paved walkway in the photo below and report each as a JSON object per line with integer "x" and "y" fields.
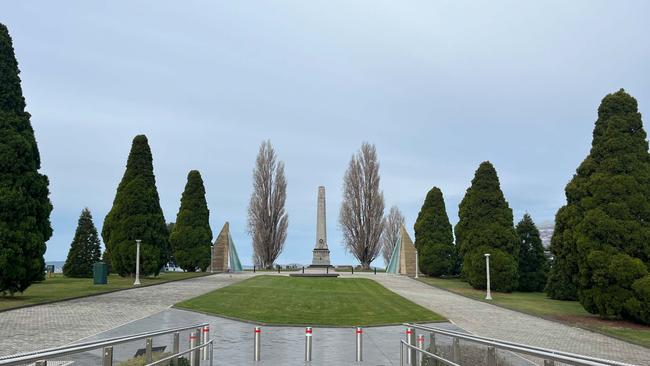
{"x": 488, "y": 320}
{"x": 57, "y": 324}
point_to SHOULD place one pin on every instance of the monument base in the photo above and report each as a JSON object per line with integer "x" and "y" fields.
{"x": 321, "y": 258}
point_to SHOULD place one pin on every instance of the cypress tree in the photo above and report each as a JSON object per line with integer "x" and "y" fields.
{"x": 136, "y": 214}
{"x": 533, "y": 266}
{"x": 85, "y": 249}
{"x": 601, "y": 240}
{"x": 191, "y": 237}
{"x": 24, "y": 204}
{"x": 433, "y": 236}
{"x": 486, "y": 226}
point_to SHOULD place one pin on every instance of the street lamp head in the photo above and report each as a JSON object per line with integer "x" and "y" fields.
{"x": 138, "y": 241}
{"x": 487, "y": 254}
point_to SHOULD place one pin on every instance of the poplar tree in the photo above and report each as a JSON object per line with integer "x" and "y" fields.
{"x": 533, "y": 265}
{"x": 191, "y": 237}
{"x": 433, "y": 236}
{"x": 85, "y": 249}
{"x": 24, "y": 203}
{"x": 601, "y": 236}
{"x": 486, "y": 226}
{"x": 136, "y": 214}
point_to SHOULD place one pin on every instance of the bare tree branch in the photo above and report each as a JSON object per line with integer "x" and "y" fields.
{"x": 362, "y": 210}
{"x": 267, "y": 219}
{"x": 394, "y": 222}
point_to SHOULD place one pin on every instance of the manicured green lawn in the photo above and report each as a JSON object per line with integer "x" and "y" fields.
{"x": 60, "y": 287}
{"x": 536, "y": 303}
{"x": 311, "y": 301}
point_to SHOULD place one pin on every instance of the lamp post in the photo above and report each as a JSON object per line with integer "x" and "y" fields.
{"x": 488, "y": 296}
{"x": 137, "y": 263}
{"x": 416, "y": 264}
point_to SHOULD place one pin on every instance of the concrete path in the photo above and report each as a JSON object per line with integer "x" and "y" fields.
{"x": 57, "y": 324}
{"x": 488, "y": 320}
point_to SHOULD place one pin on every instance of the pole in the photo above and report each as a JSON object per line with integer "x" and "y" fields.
{"x": 254, "y": 269}
{"x": 137, "y": 263}
{"x": 303, "y": 269}
{"x": 420, "y": 346}
{"x": 410, "y": 339}
{"x": 257, "y": 346}
{"x": 488, "y": 296}
{"x": 308, "y": 341}
{"x": 375, "y": 270}
{"x": 194, "y": 340}
{"x": 176, "y": 347}
{"x": 352, "y": 269}
{"x": 359, "y": 333}
{"x": 205, "y": 337}
{"x": 417, "y": 269}
{"x": 107, "y": 356}
{"x": 148, "y": 346}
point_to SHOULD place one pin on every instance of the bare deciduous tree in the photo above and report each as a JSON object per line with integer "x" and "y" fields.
{"x": 267, "y": 219}
{"x": 362, "y": 210}
{"x": 393, "y": 223}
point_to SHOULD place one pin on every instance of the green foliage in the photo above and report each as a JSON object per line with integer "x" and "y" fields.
{"x": 25, "y": 214}
{"x": 191, "y": 236}
{"x": 486, "y": 221}
{"x": 533, "y": 266}
{"x": 85, "y": 249}
{"x": 563, "y": 275}
{"x": 605, "y": 244}
{"x": 433, "y": 236}
{"x": 503, "y": 269}
{"x": 136, "y": 214}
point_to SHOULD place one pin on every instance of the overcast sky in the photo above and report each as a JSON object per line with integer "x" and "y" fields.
{"x": 438, "y": 87}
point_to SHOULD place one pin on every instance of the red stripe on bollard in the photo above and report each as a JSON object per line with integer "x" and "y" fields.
{"x": 359, "y": 331}
{"x": 408, "y": 332}
{"x": 258, "y": 331}
{"x": 308, "y": 331}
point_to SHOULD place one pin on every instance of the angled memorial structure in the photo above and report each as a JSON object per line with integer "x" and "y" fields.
{"x": 224, "y": 254}
{"x": 402, "y": 261}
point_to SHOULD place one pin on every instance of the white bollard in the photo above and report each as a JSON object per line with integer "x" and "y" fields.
{"x": 359, "y": 333}
{"x": 308, "y": 341}
{"x": 257, "y": 347}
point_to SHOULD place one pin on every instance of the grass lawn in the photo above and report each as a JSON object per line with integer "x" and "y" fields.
{"x": 59, "y": 287}
{"x": 311, "y": 301}
{"x": 536, "y": 303}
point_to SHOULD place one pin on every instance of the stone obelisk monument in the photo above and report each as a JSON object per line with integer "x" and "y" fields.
{"x": 321, "y": 253}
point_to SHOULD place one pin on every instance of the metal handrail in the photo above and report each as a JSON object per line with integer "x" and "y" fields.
{"x": 543, "y": 353}
{"x": 563, "y": 353}
{"x": 21, "y": 358}
{"x": 401, "y": 356}
{"x": 174, "y": 356}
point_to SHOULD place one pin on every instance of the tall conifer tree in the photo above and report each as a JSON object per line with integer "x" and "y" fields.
{"x": 486, "y": 226}
{"x": 602, "y": 233}
{"x": 533, "y": 266}
{"x": 433, "y": 236}
{"x": 24, "y": 204}
{"x": 85, "y": 249}
{"x": 136, "y": 214}
{"x": 191, "y": 236}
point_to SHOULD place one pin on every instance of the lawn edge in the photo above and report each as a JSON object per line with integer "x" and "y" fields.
{"x": 593, "y": 330}
{"x": 101, "y": 293}
{"x": 299, "y": 325}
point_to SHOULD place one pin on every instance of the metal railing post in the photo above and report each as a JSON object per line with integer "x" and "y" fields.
{"x": 257, "y": 347}
{"x": 211, "y": 352}
{"x": 308, "y": 341}
{"x": 107, "y": 356}
{"x": 194, "y": 340}
{"x": 359, "y": 355}
{"x": 432, "y": 343}
{"x": 205, "y": 337}
{"x": 410, "y": 352}
{"x": 456, "y": 350}
{"x": 401, "y": 354}
{"x": 176, "y": 347}
{"x": 491, "y": 356}
{"x": 148, "y": 346}
{"x": 549, "y": 363}
{"x": 41, "y": 363}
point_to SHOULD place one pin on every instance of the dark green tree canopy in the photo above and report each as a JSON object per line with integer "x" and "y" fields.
{"x": 25, "y": 206}
{"x": 85, "y": 249}
{"x": 433, "y": 236}
{"x": 602, "y": 239}
{"x": 136, "y": 214}
{"x": 191, "y": 237}
{"x": 533, "y": 265}
{"x": 485, "y": 221}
